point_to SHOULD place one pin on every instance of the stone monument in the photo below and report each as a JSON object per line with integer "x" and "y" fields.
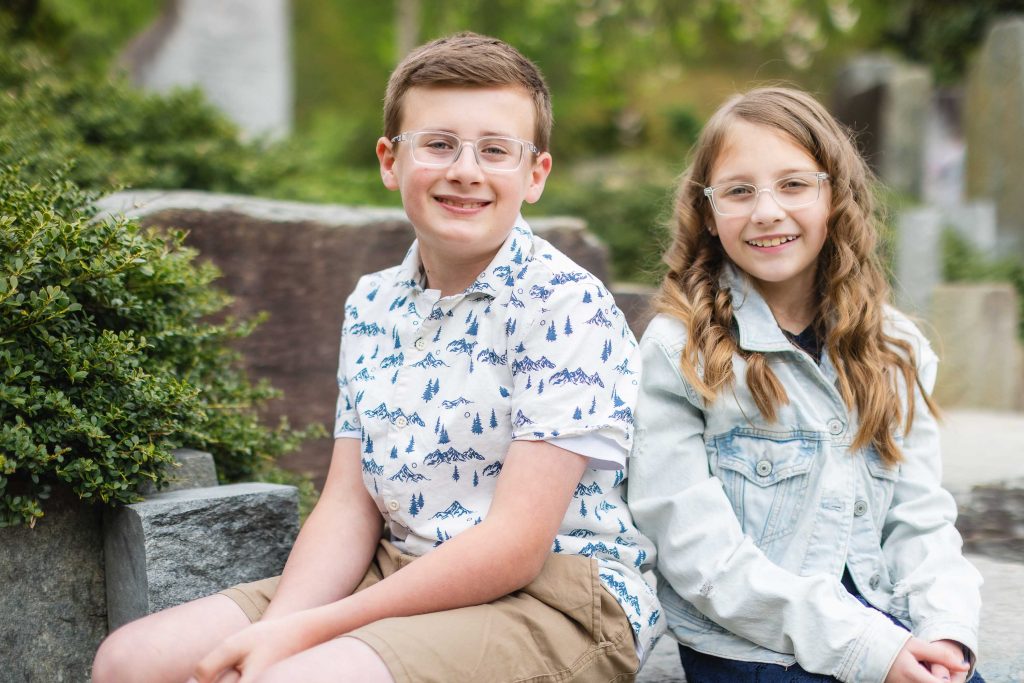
{"x": 238, "y": 52}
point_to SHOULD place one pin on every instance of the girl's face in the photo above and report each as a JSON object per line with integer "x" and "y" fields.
{"x": 776, "y": 246}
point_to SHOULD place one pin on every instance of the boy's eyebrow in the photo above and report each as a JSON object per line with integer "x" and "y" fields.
{"x": 486, "y": 134}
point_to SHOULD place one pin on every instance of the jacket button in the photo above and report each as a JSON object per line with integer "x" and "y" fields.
{"x": 859, "y": 508}
{"x": 835, "y": 427}
{"x": 874, "y": 581}
{"x": 420, "y": 344}
{"x": 764, "y": 468}
{"x": 393, "y": 506}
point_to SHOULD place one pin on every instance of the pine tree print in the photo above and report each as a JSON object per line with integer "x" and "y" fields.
{"x": 437, "y": 426}
{"x": 394, "y": 452}
{"x": 477, "y": 427}
{"x": 606, "y": 352}
{"x": 586, "y": 297}
{"x": 583, "y": 508}
{"x": 420, "y": 500}
{"x": 368, "y": 448}
{"x": 455, "y": 473}
{"x": 476, "y": 478}
{"x": 494, "y": 420}
{"x": 593, "y": 406}
{"x": 473, "y": 328}
{"x": 568, "y": 326}
{"x": 557, "y": 547}
{"x": 437, "y": 386}
{"x": 540, "y": 387}
{"x": 578, "y": 415}
{"x": 411, "y": 446}
{"x": 428, "y": 393}
{"x": 551, "y": 332}
{"x": 414, "y": 507}
{"x": 444, "y": 436}
{"x": 529, "y": 381}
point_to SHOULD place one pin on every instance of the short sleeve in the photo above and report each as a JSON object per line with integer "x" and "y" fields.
{"x": 572, "y": 372}
{"x": 346, "y": 419}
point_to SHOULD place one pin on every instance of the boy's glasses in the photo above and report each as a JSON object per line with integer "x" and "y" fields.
{"x": 493, "y": 153}
{"x": 791, "y": 192}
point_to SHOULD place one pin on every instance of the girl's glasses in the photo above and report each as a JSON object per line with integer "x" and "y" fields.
{"x": 791, "y": 192}
{"x": 493, "y": 153}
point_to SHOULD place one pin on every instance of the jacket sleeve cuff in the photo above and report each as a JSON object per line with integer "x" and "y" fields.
{"x": 873, "y": 653}
{"x": 942, "y": 629}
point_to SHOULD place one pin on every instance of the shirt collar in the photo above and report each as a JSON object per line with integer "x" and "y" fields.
{"x": 758, "y": 330}
{"x": 512, "y": 256}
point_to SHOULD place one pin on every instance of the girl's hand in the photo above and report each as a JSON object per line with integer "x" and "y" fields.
{"x": 922, "y": 662}
{"x": 244, "y": 656}
{"x": 940, "y": 670}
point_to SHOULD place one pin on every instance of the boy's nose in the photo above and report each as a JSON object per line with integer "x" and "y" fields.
{"x": 465, "y": 164}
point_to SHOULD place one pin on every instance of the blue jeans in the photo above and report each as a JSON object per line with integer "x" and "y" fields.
{"x": 702, "y": 668}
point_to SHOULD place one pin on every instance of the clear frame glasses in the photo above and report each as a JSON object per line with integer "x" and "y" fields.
{"x": 493, "y": 152}
{"x": 791, "y": 192}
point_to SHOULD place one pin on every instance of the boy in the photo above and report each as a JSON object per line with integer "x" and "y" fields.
{"x": 483, "y": 421}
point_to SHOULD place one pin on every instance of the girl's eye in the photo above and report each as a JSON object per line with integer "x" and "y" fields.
{"x": 738, "y": 191}
{"x": 793, "y": 184}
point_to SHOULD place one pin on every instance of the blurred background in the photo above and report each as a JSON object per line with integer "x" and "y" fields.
{"x": 632, "y": 84}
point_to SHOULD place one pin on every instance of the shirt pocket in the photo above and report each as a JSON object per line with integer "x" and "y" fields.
{"x": 881, "y": 483}
{"x": 766, "y": 477}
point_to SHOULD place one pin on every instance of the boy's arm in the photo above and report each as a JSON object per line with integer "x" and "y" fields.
{"x": 500, "y": 555}
{"x": 337, "y": 542}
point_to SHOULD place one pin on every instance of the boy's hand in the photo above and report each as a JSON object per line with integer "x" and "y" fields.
{"x": 922, "y": 662}
{"x": 245, "y": 655}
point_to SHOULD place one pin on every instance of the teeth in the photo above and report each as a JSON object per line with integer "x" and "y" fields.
{"x": 774, "y": 242}
{"x": 462, "y": 205}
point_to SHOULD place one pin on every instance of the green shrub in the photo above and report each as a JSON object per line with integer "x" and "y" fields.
{"x": 108, "y": 358}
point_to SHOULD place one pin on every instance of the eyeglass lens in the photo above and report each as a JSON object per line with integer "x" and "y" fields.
{"x": 492, "y": 153}
{"x": 739, "y": 199}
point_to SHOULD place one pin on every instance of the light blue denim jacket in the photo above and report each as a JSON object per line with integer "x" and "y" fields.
{"x": 754, "y": 521}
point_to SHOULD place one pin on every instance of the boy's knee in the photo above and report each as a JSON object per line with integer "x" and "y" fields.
{"x": 117, "y": 658}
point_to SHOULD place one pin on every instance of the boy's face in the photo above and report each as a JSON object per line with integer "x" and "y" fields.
{"x": 462, "y": 213}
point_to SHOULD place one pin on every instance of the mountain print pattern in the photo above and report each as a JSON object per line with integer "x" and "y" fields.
{"x": 437, "y": 389}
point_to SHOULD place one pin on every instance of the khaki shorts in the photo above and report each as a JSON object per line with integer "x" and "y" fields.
{"x": 563, "y": 626}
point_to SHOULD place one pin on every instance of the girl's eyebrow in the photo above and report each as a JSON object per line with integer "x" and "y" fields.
{"x": 745, "y": 178}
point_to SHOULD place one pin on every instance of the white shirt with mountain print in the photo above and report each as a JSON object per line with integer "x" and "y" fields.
{"x": 437, "y": 388}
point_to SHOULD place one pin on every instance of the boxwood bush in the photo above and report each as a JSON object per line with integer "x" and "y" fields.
{"x": 111, "y": 355}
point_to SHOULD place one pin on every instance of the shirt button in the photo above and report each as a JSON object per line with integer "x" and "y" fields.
{"x": 393, "y": 505}
{"x": 420, "y": 344}
{"x": 874, "y": 581}
{"x": 401, "y": 421}
{"x": 835, "y": 427}
{"x": 859, "y": 508}
{"x": 764, "y": 468}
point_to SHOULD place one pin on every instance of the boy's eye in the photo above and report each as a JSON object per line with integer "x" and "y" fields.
{"x": 438, "y": 145}
{"x": 494, "y": 148}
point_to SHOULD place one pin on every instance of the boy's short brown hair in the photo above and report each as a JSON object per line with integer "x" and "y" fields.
{"x": 468, "y": 60}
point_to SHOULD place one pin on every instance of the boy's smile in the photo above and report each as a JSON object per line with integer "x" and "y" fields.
{"x": 462, "y": 213}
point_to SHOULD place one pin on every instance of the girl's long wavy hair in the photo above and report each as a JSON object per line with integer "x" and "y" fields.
{"x": 851, "y": 288}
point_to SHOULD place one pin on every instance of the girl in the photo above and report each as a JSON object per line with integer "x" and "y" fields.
{"x": 787, "y": 461}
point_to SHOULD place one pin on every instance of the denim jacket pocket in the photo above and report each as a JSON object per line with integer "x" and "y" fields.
{"x": 882, "y": 483}
{"x": 765, "y": 475}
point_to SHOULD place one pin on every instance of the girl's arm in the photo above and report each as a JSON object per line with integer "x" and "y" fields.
{"x": 938, "y": 586}
{"x": 706, "y": 559}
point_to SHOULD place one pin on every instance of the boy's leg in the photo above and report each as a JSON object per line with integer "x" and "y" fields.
{"x": 167, "y": 646}
{"x": 323, "y": 664}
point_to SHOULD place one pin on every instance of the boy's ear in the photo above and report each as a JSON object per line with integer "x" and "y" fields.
{"x": 538, "y": 176}
{"x": 386, "y": 156}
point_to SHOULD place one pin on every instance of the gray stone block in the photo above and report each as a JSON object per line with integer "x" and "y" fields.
{"x": 994, "y": 118}
{"x": 195, "y": 470}
{"x": 974, "y": 329}
{"x": 178, "y": 546}
{"x": 52, "y": 604}
{"x": 635, "y": 302}
{"x": 918, "y": 257}
{"x": 991, "y": 519}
